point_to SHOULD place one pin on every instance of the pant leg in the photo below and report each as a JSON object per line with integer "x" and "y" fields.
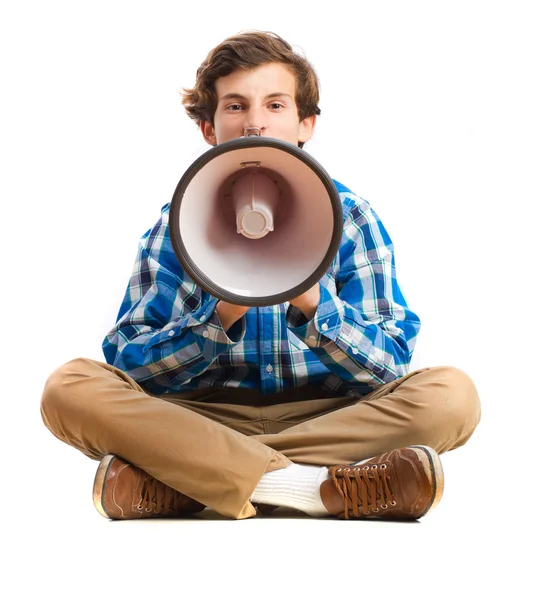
{"x": 99, "y": 409}
{"x": 437, "y": 407}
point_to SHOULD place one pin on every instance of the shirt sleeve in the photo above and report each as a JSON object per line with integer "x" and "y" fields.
{"x": 363, "y": 330}
{"x": 167, "y": 329}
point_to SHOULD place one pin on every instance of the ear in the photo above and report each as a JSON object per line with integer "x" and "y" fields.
{"x": 208, "y": 131}
{"x": 306, "y": 128}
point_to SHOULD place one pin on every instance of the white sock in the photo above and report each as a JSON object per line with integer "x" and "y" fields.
{"x": 296, "y": 486}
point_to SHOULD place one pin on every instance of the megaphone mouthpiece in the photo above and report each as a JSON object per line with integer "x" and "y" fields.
{"x": 251, "y": 131}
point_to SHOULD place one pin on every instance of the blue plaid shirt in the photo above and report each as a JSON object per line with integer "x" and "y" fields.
{"x": 168, "y": 336}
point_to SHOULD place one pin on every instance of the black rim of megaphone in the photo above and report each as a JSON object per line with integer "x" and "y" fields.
{"x": 199, "y": 277}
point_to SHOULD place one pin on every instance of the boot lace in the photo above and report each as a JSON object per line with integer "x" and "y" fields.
{"x": 158, "y": 498}
{"x": 363, "y": 488}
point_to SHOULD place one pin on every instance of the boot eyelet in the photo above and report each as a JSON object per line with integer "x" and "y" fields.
{"x": 376, "y": 510}
{"x": 383, "y": 466}
{"x": 338, "y": 470}
{"x": 374, "y": 467}
{"x": 366, "y": 468}
{"x": 393, "y": 503}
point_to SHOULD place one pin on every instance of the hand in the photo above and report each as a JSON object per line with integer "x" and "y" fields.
{"x": 309, "y": 301}
{"x": 229, "y": 313}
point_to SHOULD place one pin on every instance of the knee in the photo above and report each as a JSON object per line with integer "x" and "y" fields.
{"x": 58, "y": 394}
{"x": 463, "y": 402}
{"x": 454, "y": 402}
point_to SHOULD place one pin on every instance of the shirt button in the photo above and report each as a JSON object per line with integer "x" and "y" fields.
{"x": 324, "y": 326}
{"x": 269, "y": 369}
{"x": 205, "y": 334}
{"x": 203, "y": 317}
{"x": 171, "y": 332}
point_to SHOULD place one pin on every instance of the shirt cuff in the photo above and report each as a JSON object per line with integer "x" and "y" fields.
{"x": 205, "y": 323}
{"x": 212, "y": 339}
{"x": 325, "y": 325}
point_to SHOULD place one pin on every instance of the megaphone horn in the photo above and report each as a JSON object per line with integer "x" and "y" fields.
{"x": 255, "y": 221}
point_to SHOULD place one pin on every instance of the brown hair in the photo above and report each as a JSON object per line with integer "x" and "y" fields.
{"x": 247, "y": 50}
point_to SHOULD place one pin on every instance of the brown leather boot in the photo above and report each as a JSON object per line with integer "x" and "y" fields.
{"x": 402, "y": 484}
{"x": 122, "y": 491}
{"x": 266, "y": 509}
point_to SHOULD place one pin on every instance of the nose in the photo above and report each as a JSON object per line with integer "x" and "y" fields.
{"x": 255, "y": 120}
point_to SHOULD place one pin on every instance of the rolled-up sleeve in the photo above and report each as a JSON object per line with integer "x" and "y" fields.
{"x": 363, "y": 330}
{"x": 167, "y": 330}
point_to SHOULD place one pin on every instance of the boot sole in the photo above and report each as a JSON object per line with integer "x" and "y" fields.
{"x": 438, "y": 480}
{"x": 100, "y": 480}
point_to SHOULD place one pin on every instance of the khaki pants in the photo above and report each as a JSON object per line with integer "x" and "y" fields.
{"x": 215, "y": 444}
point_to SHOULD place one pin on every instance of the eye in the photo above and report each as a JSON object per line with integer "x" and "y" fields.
{"x": 276, "y": 105}
{"x": 234, "y": 107}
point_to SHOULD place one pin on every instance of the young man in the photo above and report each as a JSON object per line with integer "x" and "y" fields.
{"x": 307, "y": 404}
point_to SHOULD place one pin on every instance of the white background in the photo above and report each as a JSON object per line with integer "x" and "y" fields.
{"x": 427, "y": 113}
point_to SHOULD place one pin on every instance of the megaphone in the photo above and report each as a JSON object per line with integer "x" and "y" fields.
{"x": 255, "y": 221}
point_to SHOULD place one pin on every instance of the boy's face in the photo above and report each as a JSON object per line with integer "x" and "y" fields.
{"x": 263, "y": 97}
